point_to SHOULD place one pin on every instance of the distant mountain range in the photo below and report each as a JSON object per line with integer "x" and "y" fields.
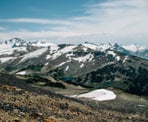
{"x": 87, "y": 64}
{"x": 21, "y": 45}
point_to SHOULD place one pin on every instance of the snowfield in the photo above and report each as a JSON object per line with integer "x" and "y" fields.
{"x": 81, "y": 65}
{"x": 85, "y": 58}
{"x": 134, "y": 48}
{"x": 43, "y": 44}
{"x": 103, "y": 47}
{"x": 5, "y": 59}
{"x": 21, "y": 73}
{"x": 33, "y": 54}
{"x": 91, "y": 46}
{"x": 99, "y": 95}
{"x": 125, "y": 59}
{"x": 111, "y": 53}
{"x": 9, "y": 50}
{"x": 59, "y": 52}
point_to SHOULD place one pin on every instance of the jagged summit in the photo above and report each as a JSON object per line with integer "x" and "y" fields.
{"x": 16, "y": 42}
{"x": 133, "y": 49}
{"x": 43, "y": 44}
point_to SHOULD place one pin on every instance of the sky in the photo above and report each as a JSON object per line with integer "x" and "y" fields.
{"x": 75, "y": 21}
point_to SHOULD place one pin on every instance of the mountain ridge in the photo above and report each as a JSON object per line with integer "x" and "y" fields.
{"x": 85, "y": 64}
{"x": 132, "y": 49}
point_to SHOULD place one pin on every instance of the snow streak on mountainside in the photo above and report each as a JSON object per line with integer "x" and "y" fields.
{"x": 33, "y": 54}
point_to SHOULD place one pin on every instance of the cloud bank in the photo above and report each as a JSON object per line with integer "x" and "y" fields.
{"x": 120, "y": 21}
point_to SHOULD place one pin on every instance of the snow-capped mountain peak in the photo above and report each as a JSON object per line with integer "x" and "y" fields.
{"x": 134, "y": 47}
{"x": 90, "y": 45}
{"x": 103, "y": 47}
{"x": 16, "y": 42}
{"x": 43, "y": 44}
{"x": 8, "y": 47}
{"x": 99, "y": 47}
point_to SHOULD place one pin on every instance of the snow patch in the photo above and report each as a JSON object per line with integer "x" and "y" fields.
{"x": 53, "y": 49}
{"x": 61, "y": 64}
{"x": 111, "y": 53}
{"x": 67, "y": 68}
{"x": 81, "y": 65}
{"x": 42, "y": 44}
{"x": 99, "y": 95}
{"x": 91, "y": 46}
{"x": 8, "y": 50}
{"x": 21, "y": 73}
{"x": 5, "y": 59}
{"x": 48, "y": 57}
{"x": 67, "y": 49}
{"x": 85, "y": 49}
{"x": 108, "y": 63}
{"x": 103, "y": 47}
{"x": 69, "y": 55}
{"x": 33, "y": 54}
{"x": 46, "y": 64}
{"x": 7, "y": 47}
{"x": 117, "y": 58}
{"x": 58, "y": 53}
{"x": 125, "y": 59}
{"x": 140, "y": 105}
{"x": 85, "y": 58}
{"x": 134, "y": 48}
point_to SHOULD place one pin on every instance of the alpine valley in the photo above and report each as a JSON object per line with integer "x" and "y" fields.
{"x": 68, "y": 70}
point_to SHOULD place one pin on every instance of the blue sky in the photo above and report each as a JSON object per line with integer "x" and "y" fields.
{"x": 75, "y": 21}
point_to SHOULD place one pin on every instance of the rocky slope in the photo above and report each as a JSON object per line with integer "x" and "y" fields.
{"x": 20, "y": 102}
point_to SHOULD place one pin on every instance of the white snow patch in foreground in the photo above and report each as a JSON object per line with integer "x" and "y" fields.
{"x": 21, "y": 73}
{"x": 99, "y": 95}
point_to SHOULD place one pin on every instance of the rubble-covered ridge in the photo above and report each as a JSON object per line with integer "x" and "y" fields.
{"x": 24, "y": 103}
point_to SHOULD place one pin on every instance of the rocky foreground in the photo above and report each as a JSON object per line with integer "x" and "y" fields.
{"x": 19, "y": 105}
{"x": 21, "y": 102}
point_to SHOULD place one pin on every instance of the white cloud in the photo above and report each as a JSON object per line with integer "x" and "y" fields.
{"x": 35, "y": 21}
{"x": 43, "y": 35}
{"x": 114, "y": 20}
{"x": 2, "y": 28}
